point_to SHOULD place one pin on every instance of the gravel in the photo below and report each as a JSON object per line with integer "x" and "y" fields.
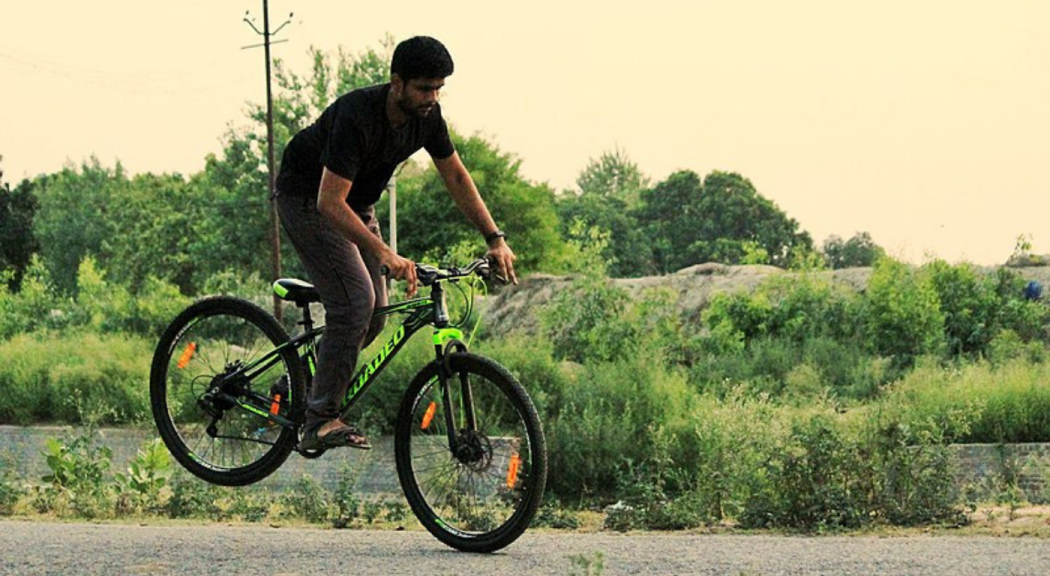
{"x": 31, "y": 548}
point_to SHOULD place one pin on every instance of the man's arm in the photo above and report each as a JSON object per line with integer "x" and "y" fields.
{"x": 463, "y": 191}
{"x": 331, "y": 203}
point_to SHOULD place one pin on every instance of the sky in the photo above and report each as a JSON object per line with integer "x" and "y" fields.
{"x": 923, "y": 122}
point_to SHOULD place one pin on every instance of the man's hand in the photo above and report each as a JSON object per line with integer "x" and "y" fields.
{"x": 400, "y": 268}
{"x": 504, "y": 258}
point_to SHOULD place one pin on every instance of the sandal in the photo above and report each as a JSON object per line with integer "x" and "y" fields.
{"x": 343, "y": 435}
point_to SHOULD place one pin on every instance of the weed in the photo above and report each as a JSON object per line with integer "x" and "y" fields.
{"x": 345, "y": 499}
{"x": 191, "y": 498}
{"x": 10, "y": 491}
{"x": 583, "y": 565}
{"x": 370, "y": 510}
{"x": 78, "y": 479}
{"x": 553, "y": 515}
{"x": 308, "y": 500}
{"x": 147, "y": 475}
{"x": 396, "y": 511}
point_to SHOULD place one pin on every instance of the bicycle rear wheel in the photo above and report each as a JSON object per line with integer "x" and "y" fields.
{"x": 210, "y": 410}
{"x": 480, "y": 494}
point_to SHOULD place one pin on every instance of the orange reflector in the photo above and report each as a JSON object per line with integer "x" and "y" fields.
{"x": 276, "y": 406}
{"x": 512, "y": 472}
{"x": 429, "y": 416}
{"x": 186, "y": 355}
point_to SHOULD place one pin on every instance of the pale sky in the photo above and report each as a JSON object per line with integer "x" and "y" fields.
{"x": 925, "y": 123}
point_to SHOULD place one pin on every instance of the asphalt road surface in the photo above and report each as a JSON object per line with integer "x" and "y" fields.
{"x": 30, "y": 548}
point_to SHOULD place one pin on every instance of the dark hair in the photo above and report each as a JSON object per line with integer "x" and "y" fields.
{"x": 421, "y": 57}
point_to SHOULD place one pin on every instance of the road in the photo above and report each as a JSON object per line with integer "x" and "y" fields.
{"x": 31, "y": 548}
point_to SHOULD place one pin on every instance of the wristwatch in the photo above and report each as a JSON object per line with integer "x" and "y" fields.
{"x": 493, "y": 235}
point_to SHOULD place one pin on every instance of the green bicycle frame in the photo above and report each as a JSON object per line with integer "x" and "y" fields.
{"x": 430, "y": 310}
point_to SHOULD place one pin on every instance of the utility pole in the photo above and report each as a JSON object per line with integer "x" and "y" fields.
{"x": 275, "y": 226}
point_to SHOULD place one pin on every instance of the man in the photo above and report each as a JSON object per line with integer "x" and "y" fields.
{"x": 331, "y": 175}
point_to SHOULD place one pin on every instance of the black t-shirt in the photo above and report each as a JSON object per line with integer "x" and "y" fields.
{"x": 354, "y": 139}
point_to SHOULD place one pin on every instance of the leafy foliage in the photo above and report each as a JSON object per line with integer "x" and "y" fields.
{"x": 860, "y": 250}
{"x": 721, "y": 219}
{"x": 428, "y": 219}
{"x": 18, "y": 207}
{"x": 903, "y": 314}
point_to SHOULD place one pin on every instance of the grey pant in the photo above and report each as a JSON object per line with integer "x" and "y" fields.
{"x": 350, "y": 287}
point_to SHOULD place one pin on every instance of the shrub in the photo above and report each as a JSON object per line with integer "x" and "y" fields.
{"x": 968, "y": 302}
{"x": 609, "y": 415}
{"x": 308, "y": 500}
{"x": 78, "y": 482}
{"x": 902, "y": 312}
{"x": 62, "y": 377}
{"x": 147, "y": 475}
{"x": 191, "y": 497}
{"x": 976, "y": 402}
{"x": 10, "y": 490}
{"x": 345, "y": 499}
{"x": 99, "y": 306}
{"x": 810, "y": 483}
{"x": 912, "y": 476}
{"x": 552, "y": 514}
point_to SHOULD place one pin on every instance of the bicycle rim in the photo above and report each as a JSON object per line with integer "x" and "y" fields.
{"x": 483, "y": 496}
{"x": 218, "y": 439}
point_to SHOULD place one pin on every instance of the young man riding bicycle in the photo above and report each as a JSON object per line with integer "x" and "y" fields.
{"x": 331, "y": 175}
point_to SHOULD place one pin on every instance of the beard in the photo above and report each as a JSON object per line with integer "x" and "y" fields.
{"x": 420, "y": 111}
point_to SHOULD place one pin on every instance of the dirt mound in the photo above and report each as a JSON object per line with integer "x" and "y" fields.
{"x": 515, "y": 308}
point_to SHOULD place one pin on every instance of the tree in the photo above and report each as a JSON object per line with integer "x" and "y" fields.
{"x": 431, "y": 224}
{"x": 858, "y": 251}
{"x": 608, "y": 195}
{"x": 721, "y": 219}
{"x": 75, "y": 217}
{"x": 154, "y": 225}
{"x": 231, "y": 233}
{"x": 613, "y": 175}
{"x": 17, "y": 243}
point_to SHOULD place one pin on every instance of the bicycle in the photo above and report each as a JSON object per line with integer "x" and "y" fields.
{"x": 228, "y": 391}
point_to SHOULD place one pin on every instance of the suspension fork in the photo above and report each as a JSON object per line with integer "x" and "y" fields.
{"x": 466, "y": 392}
{"x": 448, "y": 341}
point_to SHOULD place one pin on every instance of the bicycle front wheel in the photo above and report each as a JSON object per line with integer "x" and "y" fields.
{"x": 477, "y": 488}
{"x": 218, "y": 380}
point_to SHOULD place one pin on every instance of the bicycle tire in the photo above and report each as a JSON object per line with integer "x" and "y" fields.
{"x": 203, "y": 342}
{"x": 509, "y": 429}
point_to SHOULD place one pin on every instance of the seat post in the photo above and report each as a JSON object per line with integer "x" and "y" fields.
{"x": 307, "y": 322}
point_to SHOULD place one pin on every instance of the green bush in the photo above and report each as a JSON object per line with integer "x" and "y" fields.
{"x": 969, "y": 304}
{"x": 1006, "y": 403}
{"x": 308, "y": 500}
{"x": 912, "y": 475}
{"x": 99, "y": 306}
{"x": 902, "y": 312}
{"x": 587, "y": 322}
{"x": 345, "y": 501}
{"x": 140, "y": 489}
{"x": 531, "y": 361}
{"x": 62, "y": 377}
{"x": 796, "y": 307}
{"x": 609, "y": 415}
{"x": 10, "y": 490}
{"x": 78, "y": 481}
{"x": 811, "y": 482}
{"x": 191, "y": 497}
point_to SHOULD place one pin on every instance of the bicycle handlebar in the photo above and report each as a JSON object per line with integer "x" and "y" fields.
{"x": 428, "y": 275}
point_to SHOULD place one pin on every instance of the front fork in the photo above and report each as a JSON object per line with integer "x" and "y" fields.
{"x": 447, "y": 341}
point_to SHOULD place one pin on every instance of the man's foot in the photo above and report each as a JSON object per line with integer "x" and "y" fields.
{"x": 333, "y": 434}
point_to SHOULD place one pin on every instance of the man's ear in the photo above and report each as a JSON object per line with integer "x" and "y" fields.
{"x": 397, "y": 84}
